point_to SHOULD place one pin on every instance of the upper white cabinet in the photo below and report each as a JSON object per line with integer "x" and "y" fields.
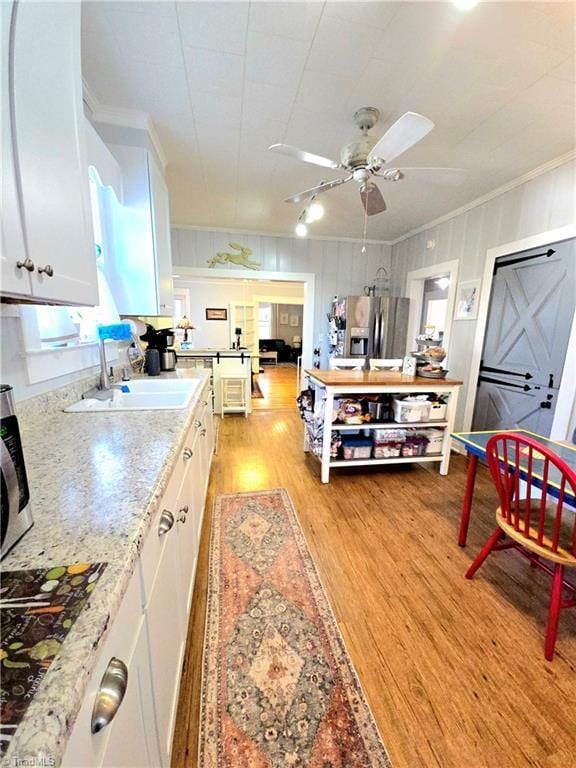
{"x": 141, "y": 273}
{"x": 48, "y": 230}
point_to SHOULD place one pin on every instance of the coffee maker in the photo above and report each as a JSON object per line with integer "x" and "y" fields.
{"x": 162, "y": 341}
{"x": 168, "y": 358}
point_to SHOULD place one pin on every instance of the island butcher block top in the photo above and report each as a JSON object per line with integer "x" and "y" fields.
{"x": 344, "y": 378}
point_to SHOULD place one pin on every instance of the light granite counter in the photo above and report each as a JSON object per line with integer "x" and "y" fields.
{"x": 96, "y": 480}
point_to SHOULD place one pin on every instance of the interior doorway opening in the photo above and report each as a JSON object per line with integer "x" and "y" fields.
{"x": 271, "y": 314}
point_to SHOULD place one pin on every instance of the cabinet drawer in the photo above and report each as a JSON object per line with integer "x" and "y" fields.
{"x": 166, "y": 516}
{"x": 85, "y": 748}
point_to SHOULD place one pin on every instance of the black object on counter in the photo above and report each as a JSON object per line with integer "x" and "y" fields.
{"x": 152, "y": 362}
{"x": 39, "y": 609}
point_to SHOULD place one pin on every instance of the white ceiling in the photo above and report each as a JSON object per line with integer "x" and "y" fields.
{"x": 224, "y": 80}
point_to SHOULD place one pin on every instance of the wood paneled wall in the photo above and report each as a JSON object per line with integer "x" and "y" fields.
{"x": 339, "y": 266}
{"x": 541, "y": 204}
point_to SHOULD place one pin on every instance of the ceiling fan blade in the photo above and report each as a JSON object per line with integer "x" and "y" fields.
{"x": 372, "y": 199}
{"x": 406, "y": 131}
{"x": 445, "y": 176}
{"x": 324, "y": 187}
{"x": 305, "y": 157}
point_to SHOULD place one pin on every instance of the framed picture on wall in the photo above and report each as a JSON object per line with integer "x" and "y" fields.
{"x": 467, "y": 300}
{"x": 294, "y": 321}
{"x": 216, "y": 314}
{"x": 283, "y": 318}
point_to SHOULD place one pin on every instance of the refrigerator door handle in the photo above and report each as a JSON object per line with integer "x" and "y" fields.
{"x": 376, "y": 346}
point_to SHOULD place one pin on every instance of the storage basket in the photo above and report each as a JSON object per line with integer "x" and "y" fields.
{"x": 438, "y": 411}
{"x": 435, "y": 440}
{"x": 411, "y": 410}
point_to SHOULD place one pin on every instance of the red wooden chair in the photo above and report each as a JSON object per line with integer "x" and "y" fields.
{"x": 534, "y": 527}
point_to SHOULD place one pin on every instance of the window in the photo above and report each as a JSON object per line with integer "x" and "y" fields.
{"x": 264, "y": 321}
{"x": 70, "y": 326}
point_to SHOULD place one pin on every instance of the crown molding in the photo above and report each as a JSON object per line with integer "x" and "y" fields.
{"x": 533, "y": 174}
{"x": 128, "y": 118}
{"x": 290, "y": 235}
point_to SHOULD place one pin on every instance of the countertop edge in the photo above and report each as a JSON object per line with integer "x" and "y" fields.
{"x": 44, "y": 720}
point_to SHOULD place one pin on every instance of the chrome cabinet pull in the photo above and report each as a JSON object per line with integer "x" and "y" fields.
{"x": 187, "y": 454}
{"x": 109, "y": 697}
{"x": 27, "y": 264}
{"x": 183, "y": 513}
{"x": 47, "y": 270}
{"x": 197, "y": 423}
{"x": 204, "y": 403}
{"x": 203, "y": 432}
{"x": 166, "y": 522}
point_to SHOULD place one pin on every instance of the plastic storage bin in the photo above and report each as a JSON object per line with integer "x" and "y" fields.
{"x": 438, "y": 411}
{"x": 435, "y": 439}
{"x": 414, "y": 446}
{"x": 356, "y": 447}
{"x": 381, "y": 435}
{"x": 406, "y": 410}
{"x": 387, "y": 450}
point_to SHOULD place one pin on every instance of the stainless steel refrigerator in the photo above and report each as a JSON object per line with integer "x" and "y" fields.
{"x": 371, "y": 326}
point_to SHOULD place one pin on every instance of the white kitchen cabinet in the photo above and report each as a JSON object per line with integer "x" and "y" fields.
{"x": 167, "y": 643}
{"x": 15, "y": 277}
{"x": 190, "y": 505}
{"x": 47, "y": 168}
{"x": 162, "y": 240}
{"x": 149, "y": 632}
{"x": 133, "y": 742}
{"x": 130, "y": 738}
{"x": 140, "y": 272}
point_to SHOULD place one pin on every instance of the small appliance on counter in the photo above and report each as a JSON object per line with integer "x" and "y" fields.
{"x": 161, "y": 342}
{"x": 15, "y": 513}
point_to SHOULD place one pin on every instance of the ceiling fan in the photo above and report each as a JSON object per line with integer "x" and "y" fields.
{"x": 366, "y": 158}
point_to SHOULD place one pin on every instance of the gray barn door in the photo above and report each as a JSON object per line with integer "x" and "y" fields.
{"x": 527, "y": 334}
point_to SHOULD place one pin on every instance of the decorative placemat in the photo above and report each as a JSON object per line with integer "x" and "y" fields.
{"x": 278, "y": 686}
{"x": 38, "y": 608}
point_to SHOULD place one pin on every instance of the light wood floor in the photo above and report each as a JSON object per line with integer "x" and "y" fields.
{"x": 453, "y": 670}
{"x": 278, "y": 385}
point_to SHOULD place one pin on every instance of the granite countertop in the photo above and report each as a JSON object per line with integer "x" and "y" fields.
{"x": 96, "y": 480}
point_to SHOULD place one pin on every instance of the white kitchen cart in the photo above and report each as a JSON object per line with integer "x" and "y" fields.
{"x": 331, "y": 384}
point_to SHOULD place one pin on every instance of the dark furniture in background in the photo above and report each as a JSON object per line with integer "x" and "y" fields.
{"x": 276, "y": 345}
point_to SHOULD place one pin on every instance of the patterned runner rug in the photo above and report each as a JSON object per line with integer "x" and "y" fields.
{"x": 278, "y": 686}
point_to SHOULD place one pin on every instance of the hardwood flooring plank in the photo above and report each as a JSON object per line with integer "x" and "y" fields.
{"x": 453, "y": 669}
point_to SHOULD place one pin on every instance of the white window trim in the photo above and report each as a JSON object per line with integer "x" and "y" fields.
{"x": 43, "y": 364}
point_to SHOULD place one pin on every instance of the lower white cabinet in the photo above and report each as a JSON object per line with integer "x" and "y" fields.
{"x": 132, "y": 743}
{"x": 149, "y": 632}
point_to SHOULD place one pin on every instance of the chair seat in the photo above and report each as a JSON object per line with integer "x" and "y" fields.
{"x": 562, "y": 556}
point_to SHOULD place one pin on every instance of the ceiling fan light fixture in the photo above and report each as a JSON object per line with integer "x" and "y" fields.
{"x": 301, "y": 229}
{"x": 316, "y": 211}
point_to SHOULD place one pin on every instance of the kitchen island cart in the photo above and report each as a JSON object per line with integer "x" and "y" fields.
{"x": 331, "y": 386}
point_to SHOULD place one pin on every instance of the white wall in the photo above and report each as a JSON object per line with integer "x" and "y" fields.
{"x": 338, "y": 265}
{"x": 544, "y": 203}
{"x": 13, "y": 369}
{"x": 202, "y": 294}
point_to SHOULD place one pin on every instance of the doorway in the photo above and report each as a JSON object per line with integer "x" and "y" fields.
{"x": 432, "y": 294}
{"x": 528, "y": 330}
{"x": 274, "y": 313}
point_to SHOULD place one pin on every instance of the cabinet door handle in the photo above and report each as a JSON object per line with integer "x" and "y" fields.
{"x": 183, "y": 513}
{"x": 27, "y": 264}
{"x": 204, "y": 403}
{"x": 203, "y": 432}
{"x": 47, "y": 270}
{"x": 187, "y": 454}
{"x": 110, "y": 694}
{"x": 166, "y": 522}
{"x": 197, "y": 423}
